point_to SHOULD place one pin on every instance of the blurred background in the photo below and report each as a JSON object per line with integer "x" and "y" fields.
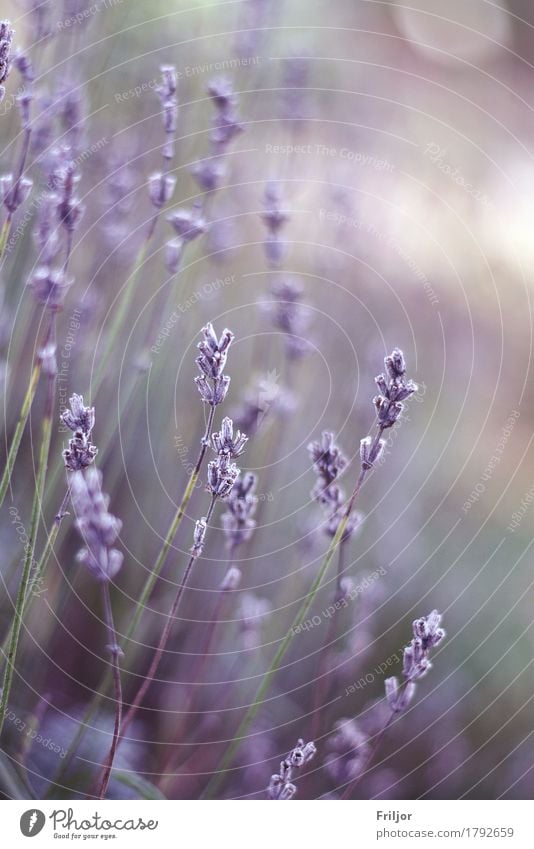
{"x": 399, "y": 141}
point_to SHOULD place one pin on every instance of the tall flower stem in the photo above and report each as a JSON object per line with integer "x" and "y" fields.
{"x": 19, "y": 430}
{"x": 322, "y": 682}
{"x": 199, "y": 670}
{"x": 6, "y": 227}
{"x": 115, "y": 655}
{"x": 347, "y": 793}
{"x": 46, "y": 434}
{"x": 41, "y": 565}
{"x": 141, "y": 693}
{"x": 226, "y": 761}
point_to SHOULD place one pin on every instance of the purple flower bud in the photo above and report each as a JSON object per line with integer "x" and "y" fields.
{"x": 160, "y": 188}
{"x": 14, "y": 192}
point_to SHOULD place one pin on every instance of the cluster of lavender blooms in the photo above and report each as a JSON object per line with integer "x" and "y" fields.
{"x": 289, "y": 316}
{"x": 328, "y": 463}
{"x": 281, "y": 786}
{"x": 16, "y": 187}
{"x": 210, "y": 171}
{"x": 348, "y": 751}
{"x": 263, "y": 397}
{"x": 98, "y": 528}
{"x": 61, "y": 209}
{"x": 285, "y": 311}
{"x": 6, "y": 37}
{"x": 393, "y": 390}
{"x": 81, "y": 421}
{"x": 222, "y": 473}
{"x": 238, "y": 522}
{"x": 161, "y": 184}
{"x": 416, "y": 663}
{"x": 189, "y": 224}
{"x": 212, "y": 383}
{"x": 274, "y": 217}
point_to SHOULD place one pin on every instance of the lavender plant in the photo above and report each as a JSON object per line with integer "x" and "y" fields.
{"x": 281, "y": 785}
{"x": 222, "y": 474}
{"x": 6, "y": 37}
{"x": 394, "y": 389}
{"x": 416, "y": 663}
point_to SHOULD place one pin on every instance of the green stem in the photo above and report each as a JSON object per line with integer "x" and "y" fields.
{"x": 19, "y": 430}
{"x": 42, "y": 564}
{"x": 4, "y": 235}
{"x": 228, "y": 757}
{"x": 165, "y": 634}
{"x": 28, "y": 562}
{"x": 115, "y": 655}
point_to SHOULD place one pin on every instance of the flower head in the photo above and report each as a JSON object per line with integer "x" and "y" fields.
{"x": 98, "y": 528}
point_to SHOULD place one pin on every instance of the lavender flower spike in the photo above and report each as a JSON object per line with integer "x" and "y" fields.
{"x": 238, "y": 522}
{"x": 80, "y": 419}
{"x": 393, "y": 391}
{"x": 98, "y": 528}
{"x": 416, "y": 663}
{"x": 6, "y": 37}
{"x": 224, "y": 442}
{"x": 280, "y": 785}
{"x": 211, "y": 362}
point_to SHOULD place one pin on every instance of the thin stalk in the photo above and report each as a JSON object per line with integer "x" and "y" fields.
{"x": 228, "y": 757}
{"x": 46, "y": 434}
{"x": 141, "y": 693}
{"x": 322, "y": 683}
{"x": 141, "y": 604}
{"x": 372, "y": 752}
{"x": 19, "y": 430}
{"x": 41, "y": 565}
{"x": 199, "y": 670}
{"x": 121, "y": 313}
{"x": 115, "y": 655}
{"x": 6, "y": 227}
{"x": 4, "y": 234}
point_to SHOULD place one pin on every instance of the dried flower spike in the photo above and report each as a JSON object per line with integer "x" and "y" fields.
{"x": 416, "y": 663}
{"x": 393, "y": 391}
{"x": 238, "y": 522}
{"x": 280, "y": 785}
{"x": 79, "y": 417}
{"x": 6, "y": 38}
{"x": 224, "y": 442}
